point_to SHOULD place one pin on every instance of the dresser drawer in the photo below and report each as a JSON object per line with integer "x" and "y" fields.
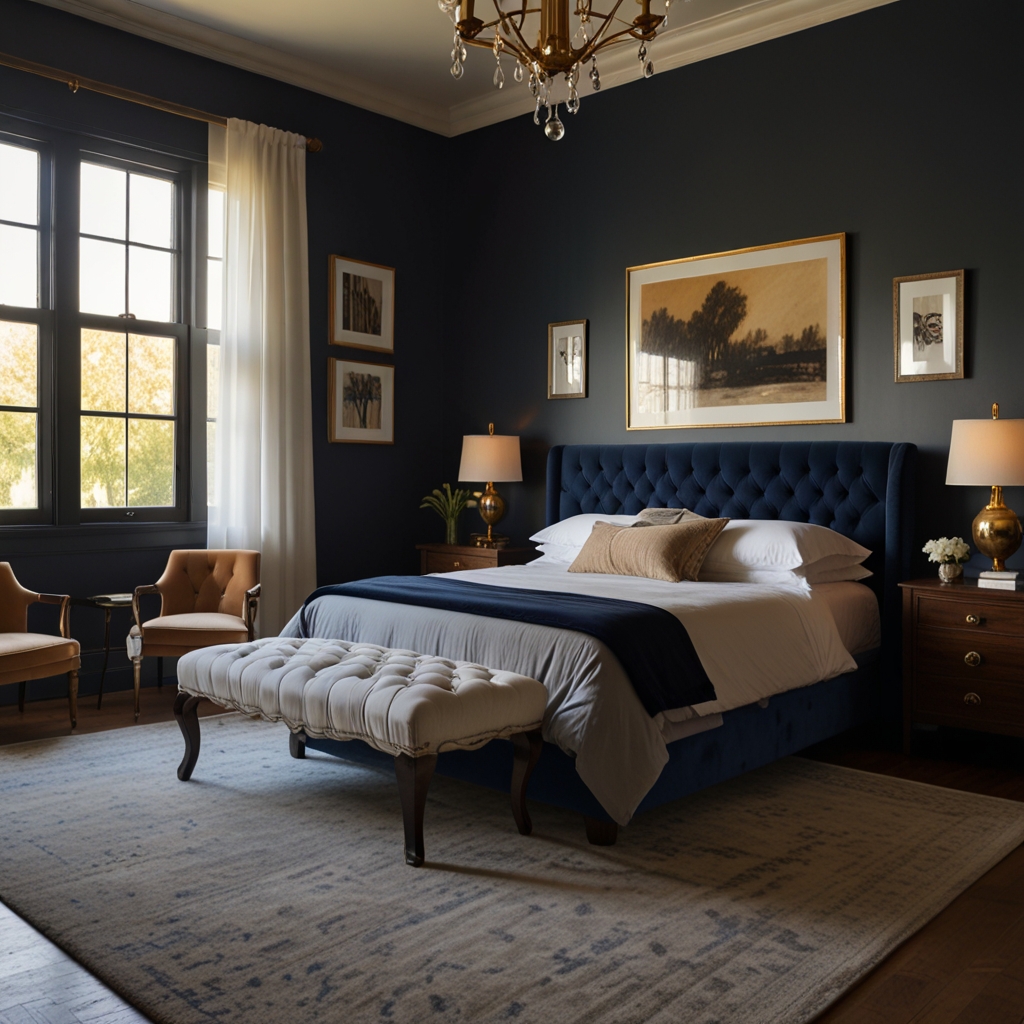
{"x": 968, "y": 656}
{"x": 443, "y": 561}
{"x": 992, "y": 616}
{"x": 994, "y": 706}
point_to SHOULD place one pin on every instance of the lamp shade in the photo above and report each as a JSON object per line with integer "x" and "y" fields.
{"x": 491, "y": 458}
{"x": 986, "y": 453}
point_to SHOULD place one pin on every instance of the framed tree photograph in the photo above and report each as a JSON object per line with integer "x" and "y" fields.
{"x": 753, "y": 337}
{"x": 360, "y": 402}
{"x": 567, "y": 359}
{"x": 928, "y": 326}
{"x": 362, "y": 304}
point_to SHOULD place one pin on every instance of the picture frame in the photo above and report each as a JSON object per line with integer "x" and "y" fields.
{"x": 928, "y": 326}
{"x": 567, "y": 359}
{"x": 752, "y": 337}
{"x": 360, "y": 402}
{"x": 362, "y": 297}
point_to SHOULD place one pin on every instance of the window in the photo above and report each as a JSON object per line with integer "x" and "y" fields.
{"x": 96, "y": 335}
{"x": 214, "y": 316}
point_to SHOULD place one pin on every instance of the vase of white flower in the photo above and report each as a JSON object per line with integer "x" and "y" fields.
{"x": 950, "y": 553}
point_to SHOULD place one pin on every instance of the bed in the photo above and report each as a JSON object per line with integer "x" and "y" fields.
{"x": 862, "y": 490}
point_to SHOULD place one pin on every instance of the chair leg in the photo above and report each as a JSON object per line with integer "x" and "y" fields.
{"x": 185, "y": 706}
{"x": 414, "y": 775}
{"x": 600, "y": 833}
{"x": 526, "y": 747}
{"x": 137, "y": 662}
{"x": 21, "y": 697}
{"x": 297, "y": 744}
{"x": 73, "y": 696}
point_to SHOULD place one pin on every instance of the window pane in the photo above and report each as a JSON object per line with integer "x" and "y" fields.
{"x": 19, "y": 184}
{"x": 103, "y": 371}
{"x": 18, "y": 460}
{"x": 101, "y": 277}
{"x": 18, "y": 356}
{"x": 211, "y": 447}
{"x": 212, "y": 380}
{"x": 214, "y": 284}
{"x": 151, "y": 375}
{"x": 149, "y": 283}
{"x": 151, "y": 210}
{"x": 150, "y": 462}
{"x": 215, "y": 227}
{"x": 102, "y": 462}
{"x": 19, "y": 266}
{"x": 103, "y": 202}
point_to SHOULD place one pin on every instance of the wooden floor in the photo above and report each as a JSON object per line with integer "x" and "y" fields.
{"x": 964, "y": 967}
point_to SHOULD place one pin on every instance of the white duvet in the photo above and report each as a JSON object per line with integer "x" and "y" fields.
{"x": 754, "y": 641}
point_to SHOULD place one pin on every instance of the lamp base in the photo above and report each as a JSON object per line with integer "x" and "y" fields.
{"x": 481, "y": 540}
{"x": 996, "y": 531}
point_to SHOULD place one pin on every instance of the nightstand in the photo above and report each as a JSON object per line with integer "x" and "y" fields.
{"x": 963, "y": 657}
{"x": 453, "y": 557}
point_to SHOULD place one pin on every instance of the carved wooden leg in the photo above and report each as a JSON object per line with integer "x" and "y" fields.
{"x": 414, "y": 775}
{"x": 185, "y": 706}
{"x": 527, "y": 747}
{"x": 73, "y": 696}
{"x": 601, "y": 833}
{"x": 297, "y": 744}
{"x": 137, "y": 662}
{"x": 21, "y": 697}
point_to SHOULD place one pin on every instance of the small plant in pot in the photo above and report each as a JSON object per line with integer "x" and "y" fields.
{"x": 449, "y": 504}
{"x": 950, "y": 553}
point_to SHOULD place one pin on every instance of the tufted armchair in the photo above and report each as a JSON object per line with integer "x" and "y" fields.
{"x": 206, "y": 598}
{"x": 24, "y": 655}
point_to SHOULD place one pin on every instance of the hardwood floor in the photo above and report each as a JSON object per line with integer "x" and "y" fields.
{"x": 964, "y": 967}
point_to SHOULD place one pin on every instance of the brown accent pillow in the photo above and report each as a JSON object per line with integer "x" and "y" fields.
{"x": 670, "y": 553}
{"x": 665, "y": 516}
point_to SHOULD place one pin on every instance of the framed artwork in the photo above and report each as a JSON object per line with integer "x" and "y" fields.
{"x": 753, "y": 337}
{"x": 567, "y": 359}
{"x": 360, "y": 402}
{"x": 362, "y": 304}
{"x": 928, "y": 326}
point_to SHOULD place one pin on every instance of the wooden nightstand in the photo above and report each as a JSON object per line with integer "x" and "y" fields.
{"x": 453, "y": 557}
{"x": 963, "y": 657}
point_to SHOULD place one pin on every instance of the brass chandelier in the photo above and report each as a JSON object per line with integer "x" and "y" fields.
{"x": 557, "y": 52}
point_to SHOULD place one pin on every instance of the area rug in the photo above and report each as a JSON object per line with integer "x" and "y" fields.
{"x": 270, "y": 890}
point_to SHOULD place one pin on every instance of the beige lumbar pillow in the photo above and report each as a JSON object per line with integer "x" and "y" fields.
{"x": 665, "y": 516}
{"x": 670, "y": 553}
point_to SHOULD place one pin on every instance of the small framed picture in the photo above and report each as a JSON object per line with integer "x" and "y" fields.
{"x": 928, "y": 326}
{"x": 361, "y": 402}
{"x": 567, "y": 359}
{"x": 362, "y": 304}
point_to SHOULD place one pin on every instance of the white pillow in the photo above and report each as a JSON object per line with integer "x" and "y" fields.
{"x": 776, "y": 544}
{"x": 574, "y": 532}
{"x": 563, "y": 553}
{"x": 807, "y": 574}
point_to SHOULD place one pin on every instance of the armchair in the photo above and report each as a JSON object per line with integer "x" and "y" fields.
{"x": 25, "y": 656}
{"x": 206, "y": 598}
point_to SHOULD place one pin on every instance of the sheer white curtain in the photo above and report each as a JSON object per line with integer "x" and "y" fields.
{"x": 264, "y": 445}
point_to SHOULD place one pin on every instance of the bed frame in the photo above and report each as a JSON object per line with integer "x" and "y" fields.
{"x": 864, "y": 490}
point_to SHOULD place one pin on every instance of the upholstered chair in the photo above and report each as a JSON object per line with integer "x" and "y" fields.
{"x": 24, "y": 655}
{"x": 206, "y": 598}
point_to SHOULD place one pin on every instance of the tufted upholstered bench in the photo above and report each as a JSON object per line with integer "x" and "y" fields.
{"x": 410, "y": 705}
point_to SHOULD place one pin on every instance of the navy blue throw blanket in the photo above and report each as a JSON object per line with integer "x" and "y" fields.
{"x": 651, "y": 643}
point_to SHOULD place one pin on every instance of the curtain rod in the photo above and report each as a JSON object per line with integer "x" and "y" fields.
{"x": 74, "y": 83}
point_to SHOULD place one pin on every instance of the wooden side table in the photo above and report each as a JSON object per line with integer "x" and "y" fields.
{"x": 108, "y": 602}
{"x": 963, "y": 657}
{"x": 453, "y": 557}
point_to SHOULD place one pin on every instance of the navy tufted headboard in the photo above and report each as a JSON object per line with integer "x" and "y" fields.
{"x": 863, "y": 489}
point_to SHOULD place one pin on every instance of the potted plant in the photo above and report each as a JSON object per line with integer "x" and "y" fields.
{"x": 448, "y": 504}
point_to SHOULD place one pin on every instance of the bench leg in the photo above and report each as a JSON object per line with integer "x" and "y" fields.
{"x": 414, "y": 775}
{"x": 297, "y": 744}
{"x": 526, "y": 747}
{"x": 600, "y": 833}
{"x": 185, "y": 706}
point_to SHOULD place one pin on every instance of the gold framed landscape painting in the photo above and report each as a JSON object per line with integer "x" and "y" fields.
{"x": 360, "y": 402}
{"x": 362, "y": 304}
{"x": 928, "y": 326}
{"x": 753, "y": 337}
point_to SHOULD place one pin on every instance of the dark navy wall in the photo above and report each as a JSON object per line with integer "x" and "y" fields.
{"x": 893, "y": 125}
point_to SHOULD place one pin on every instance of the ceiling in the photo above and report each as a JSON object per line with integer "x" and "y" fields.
{"x": 392, "y": 56}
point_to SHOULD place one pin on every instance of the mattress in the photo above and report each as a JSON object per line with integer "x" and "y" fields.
{"x": 854, "y": 609}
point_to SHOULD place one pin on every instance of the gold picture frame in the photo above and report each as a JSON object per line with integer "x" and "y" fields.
{"x": 567, "y": 359}
{"x": 362, "y": 304}
{"x": 747, "y": 338}
{"x": 360, "y": 410}
{"x": 928, "y": 327}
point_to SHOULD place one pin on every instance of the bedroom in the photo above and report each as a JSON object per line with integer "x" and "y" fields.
{"x": 737, "y": 150}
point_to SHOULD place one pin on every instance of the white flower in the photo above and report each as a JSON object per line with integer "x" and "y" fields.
{"x": 947, "y": 549}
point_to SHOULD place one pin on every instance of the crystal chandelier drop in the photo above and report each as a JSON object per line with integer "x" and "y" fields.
{"x": 556, "y": 53}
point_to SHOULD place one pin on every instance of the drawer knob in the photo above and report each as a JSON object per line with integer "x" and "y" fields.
{"x": 973, "y": 620}
{"x": 456, "y": 564}
{"x": 971, "y": 698}
{"x": 972, "y": 658}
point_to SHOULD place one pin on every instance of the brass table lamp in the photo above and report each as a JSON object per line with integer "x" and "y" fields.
{"x": 981, "y": 451}
{"x": 490, "y": 457}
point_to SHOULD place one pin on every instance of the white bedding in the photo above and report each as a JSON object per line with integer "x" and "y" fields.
{"x": 753, "y": 640}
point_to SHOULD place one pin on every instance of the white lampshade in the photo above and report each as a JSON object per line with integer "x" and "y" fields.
{"x": 986, "y": 453}
{"x": 491, "y": 458}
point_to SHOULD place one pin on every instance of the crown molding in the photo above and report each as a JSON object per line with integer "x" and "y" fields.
{"x": 754, "y": 23}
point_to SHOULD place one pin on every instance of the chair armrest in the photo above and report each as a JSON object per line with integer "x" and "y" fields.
{"x": 149, "y": 588}
{"x": 64, "y": 601}
{"x": 252, "y": 600}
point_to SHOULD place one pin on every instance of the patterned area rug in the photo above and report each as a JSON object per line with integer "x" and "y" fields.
{"x": 270, "y": 890}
